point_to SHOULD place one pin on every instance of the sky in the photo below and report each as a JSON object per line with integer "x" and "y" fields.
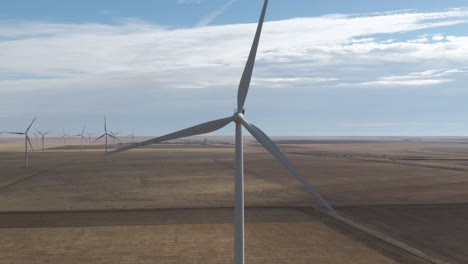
{"x": 324, "y": 68}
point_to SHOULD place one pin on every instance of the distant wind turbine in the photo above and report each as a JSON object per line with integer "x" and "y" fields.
{"x": 26, "y": 141}
{"x": 43, "y": 136}
{"x": 105, "y": 135}
{"x": 81, "y": 135}
{"x": 262, "y": 138}
{"x": 132, "y": 136}
{"x": 89, "y": 136}
{"x": 114, "y": 134}
{"x": 65, "y": 135}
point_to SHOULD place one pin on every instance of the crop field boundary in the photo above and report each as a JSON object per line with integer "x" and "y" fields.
{"x": 381, "y": 242}
{"x": 378, "y": 241}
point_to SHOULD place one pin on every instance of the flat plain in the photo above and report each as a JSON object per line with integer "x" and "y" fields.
{"x": 172, "y": 203}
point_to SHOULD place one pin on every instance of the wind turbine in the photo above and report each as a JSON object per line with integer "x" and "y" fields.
{"x": 239, "y": 119}
{"x": 37, "y": 139}
{"x": 114, "y": 137}
{"x": 81, "y": 135}
{"x": 132, "y": 136}
{"x": 105, "y": 135}
{"x": 26, "y": 141}
{"x": 89, "y": 136}
{"x": 43, "y": 136}
{"x": 65, "y": 135}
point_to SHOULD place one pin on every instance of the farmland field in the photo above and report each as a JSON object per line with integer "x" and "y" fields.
{"x": 172, "y": 203}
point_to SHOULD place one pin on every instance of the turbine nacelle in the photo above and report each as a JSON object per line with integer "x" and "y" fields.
{"x": 238, "y": 117}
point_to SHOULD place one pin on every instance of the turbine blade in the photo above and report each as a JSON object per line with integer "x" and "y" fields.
{"x": 16, "y": 133}
{"x": 247, "y": 74}
{"x": 83, "y": 130}
{"x": 98, "y": 138}
{"x": 112, "y": 136}
{"x": 267, "y": 143}
{"x": 105, "y": 124}
{"x": 29, "y": 141}
{"x": 191, "y": 131}
{"x": 31, "y": 124}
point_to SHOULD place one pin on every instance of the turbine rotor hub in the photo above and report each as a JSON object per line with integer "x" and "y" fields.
{"x": 238, "y": 117}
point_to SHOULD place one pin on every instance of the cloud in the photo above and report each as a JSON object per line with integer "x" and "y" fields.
{"x": 373, "y": 124}
{"x": 286, "y": 82}
{"x": 104, "y": 12}
{"x": 406, "y": 82}
{"x": 210, "y": 17}
{"x": 183, "y": 2}
{"x": 428, "y": 77}
{"x": 300, "y": 52}
{"x": 398, "y": 124}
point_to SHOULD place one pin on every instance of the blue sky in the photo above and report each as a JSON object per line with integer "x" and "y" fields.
{"x": 189, "y": 12}
{"x": 324, "y": 67}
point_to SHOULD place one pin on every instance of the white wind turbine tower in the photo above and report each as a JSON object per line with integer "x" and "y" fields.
{"x": 81, "y": 135}
{"x": 132, "y": 135}
{"x": 261, "y": 137}
{"x": 89, "y": 136}
{"x": 43, "y": 136}
{"x": 105, "y": 135}
{"x": 26, "y": 141}
{"x": 65, "y": 135}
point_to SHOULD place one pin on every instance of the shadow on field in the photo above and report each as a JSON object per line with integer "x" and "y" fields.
{"x": 152, "y": 217}
{"x": 439, "y": 229}
{"x": 21, "y": 180}
{"x": 200, "y": 216}
{"x": 335, "y": 141}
